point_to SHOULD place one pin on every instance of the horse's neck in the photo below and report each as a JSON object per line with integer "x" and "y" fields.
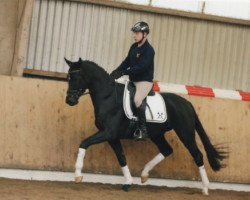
{"x": 101, "y": 90}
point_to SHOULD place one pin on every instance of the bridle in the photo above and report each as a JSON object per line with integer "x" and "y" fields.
{"x": 78, "y": 92}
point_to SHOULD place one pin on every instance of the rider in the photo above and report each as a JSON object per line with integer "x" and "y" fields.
{"x": 139, "y": 65}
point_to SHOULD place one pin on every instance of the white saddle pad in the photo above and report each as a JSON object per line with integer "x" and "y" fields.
{"x": 155, "y": 111}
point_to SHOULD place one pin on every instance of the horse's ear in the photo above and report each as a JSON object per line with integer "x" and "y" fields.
{"x": 68, "y": 62}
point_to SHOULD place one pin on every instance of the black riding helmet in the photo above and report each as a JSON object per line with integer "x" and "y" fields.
{"x": 140, "y": 27}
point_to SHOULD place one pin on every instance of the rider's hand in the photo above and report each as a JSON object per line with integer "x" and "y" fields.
{"x": 117, "y": 74}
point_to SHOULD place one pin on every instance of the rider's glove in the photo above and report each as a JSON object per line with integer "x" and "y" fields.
{"x": 117, "y": 74}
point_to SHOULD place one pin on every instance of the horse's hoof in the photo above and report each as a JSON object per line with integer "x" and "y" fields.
{"x": 144, "y": 179}
{"x": 126, "y": 187}
{"x": 78, "y": 179}
{"x": 205, "y": 191}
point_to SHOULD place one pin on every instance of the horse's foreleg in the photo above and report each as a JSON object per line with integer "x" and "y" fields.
{"x": 117, "y": 147}
{"x": 79, "y": 165}
{"x": 165, "y": 150}
{"x": 128, "y": 178}
{"x": 94, "y": 139}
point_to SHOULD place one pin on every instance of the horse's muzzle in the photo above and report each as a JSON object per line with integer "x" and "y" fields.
{"x": 73, "y": 96}
{"x": 71, "y": 100}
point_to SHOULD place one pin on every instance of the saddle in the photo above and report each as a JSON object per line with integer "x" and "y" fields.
{"x": 155, "y": 110}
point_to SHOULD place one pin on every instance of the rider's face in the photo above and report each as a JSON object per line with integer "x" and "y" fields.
{"x": 137, "y": 36}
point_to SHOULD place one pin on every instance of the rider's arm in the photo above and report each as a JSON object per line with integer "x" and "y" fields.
{"x": 125, "y": 64}
{"x": 146, "y": 60}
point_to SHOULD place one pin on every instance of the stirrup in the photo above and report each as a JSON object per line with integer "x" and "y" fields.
{"x": 140, "y": 135}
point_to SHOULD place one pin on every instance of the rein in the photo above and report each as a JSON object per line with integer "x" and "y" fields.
{"x": 116, "y": 93}
{"x": 79, "y": 92}
{"x": 85, "y": 93}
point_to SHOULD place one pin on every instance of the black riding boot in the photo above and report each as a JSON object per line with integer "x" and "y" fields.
{"x": 141, "y": 131}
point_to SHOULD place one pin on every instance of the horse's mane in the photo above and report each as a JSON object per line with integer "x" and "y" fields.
{"x": 95, "y": 66}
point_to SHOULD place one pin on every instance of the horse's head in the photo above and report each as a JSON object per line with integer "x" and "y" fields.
{"x": 77, "y": 83}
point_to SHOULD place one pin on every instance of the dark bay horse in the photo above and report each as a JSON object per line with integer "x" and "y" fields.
{"x": 110, "y": 119}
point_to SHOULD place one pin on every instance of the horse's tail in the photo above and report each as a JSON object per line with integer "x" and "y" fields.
{"x": 214, "y": 154}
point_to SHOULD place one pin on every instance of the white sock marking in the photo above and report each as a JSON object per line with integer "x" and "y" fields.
{"x": 79, "y": 162}
{"x": 127, "y": 175}
{"x": 204, "y": 179}
{"x": 151, "y": 164}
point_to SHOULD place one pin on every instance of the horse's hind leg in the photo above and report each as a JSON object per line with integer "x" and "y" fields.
{"x": 165, "y": 150}
{"x": 117, "y": 148}
{"x": 188, "y": 139}
{"x": 198, "y": 158}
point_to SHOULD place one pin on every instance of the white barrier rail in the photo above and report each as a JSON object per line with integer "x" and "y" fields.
{"x": 113, "y": 179}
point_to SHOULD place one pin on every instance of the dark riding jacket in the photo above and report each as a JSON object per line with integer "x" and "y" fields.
{"x": 139, "y": 63}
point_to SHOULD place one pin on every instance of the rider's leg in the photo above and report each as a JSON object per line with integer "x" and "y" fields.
{"x": 142, "y": 90}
